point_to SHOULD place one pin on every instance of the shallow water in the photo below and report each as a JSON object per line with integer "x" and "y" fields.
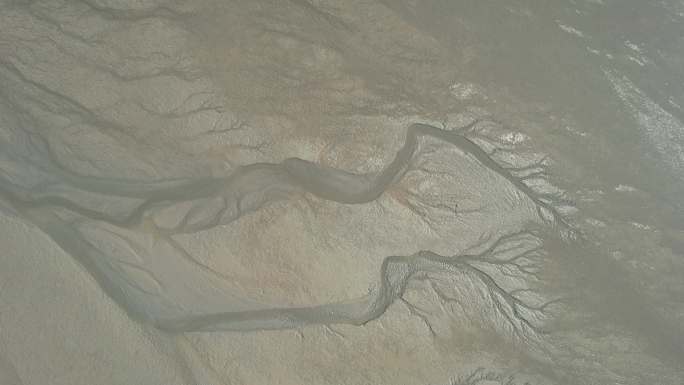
{"x": 316, "y": 192}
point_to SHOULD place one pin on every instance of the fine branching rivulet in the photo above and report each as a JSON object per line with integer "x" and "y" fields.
{"x": 98, "y": 238}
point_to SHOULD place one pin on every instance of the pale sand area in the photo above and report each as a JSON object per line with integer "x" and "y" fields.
{"x": 364, "y": 192}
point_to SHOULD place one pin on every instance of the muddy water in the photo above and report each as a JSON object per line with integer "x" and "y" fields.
{"x": 316, "y": 192}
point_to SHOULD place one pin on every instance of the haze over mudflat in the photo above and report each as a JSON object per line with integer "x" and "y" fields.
{"x": 362, "y": 192}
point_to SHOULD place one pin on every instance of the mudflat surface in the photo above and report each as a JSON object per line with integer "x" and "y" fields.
{"x": 363, "y": 192}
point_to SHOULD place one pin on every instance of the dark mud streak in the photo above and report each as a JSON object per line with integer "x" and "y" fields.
{"x": 395, "y": 273}
{"x": 293, "y": 175}
{"x": 238, "y": 191}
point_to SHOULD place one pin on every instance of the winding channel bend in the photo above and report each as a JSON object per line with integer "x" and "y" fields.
{"x": 245, "y": 190}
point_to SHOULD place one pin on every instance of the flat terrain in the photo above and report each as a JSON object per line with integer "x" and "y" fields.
{"x": 361, "y": 192}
